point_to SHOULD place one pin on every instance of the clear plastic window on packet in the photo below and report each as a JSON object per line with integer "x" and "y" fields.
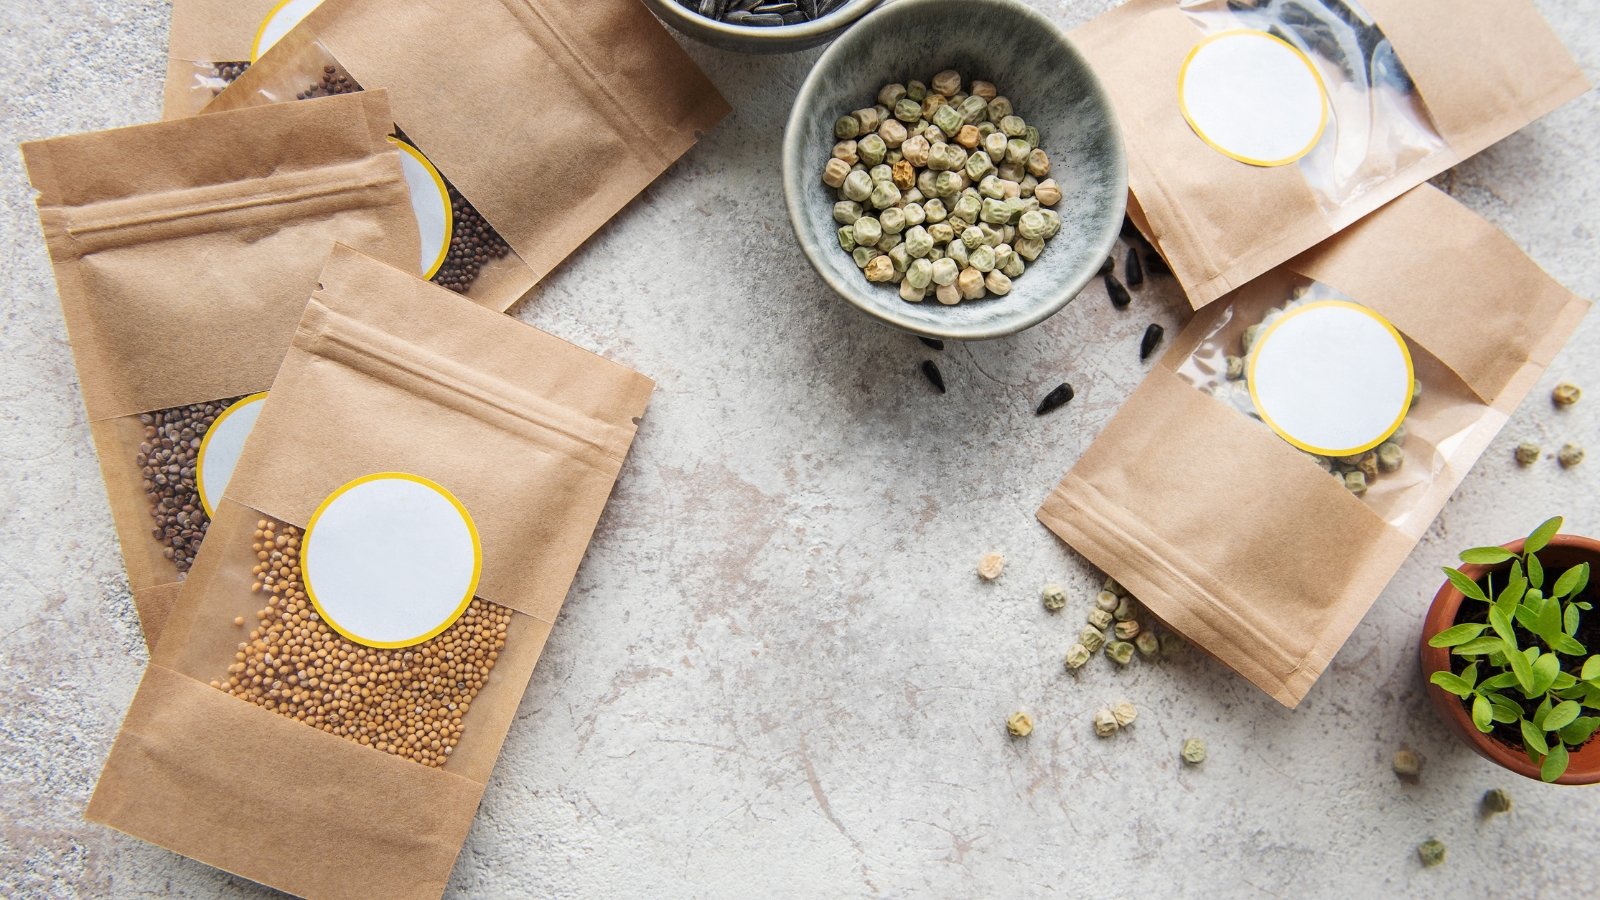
{"x": 1377, "y": 415}
{"x": 460, "y": 247}
{"x": 1377, "y": 125}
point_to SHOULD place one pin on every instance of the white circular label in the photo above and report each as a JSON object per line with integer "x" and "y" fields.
{"x": 1253, "y": 97}
{"x": 391, "y": 560}
{"x": 220, "y": 448}
{"x": 1332, "y": 378}
{"x": 283, "y": 18}
{"x": 430, "y": 202}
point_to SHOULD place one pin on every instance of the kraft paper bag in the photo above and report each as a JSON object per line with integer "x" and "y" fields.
{"x": 209, "y": 45}
{"x": 183, "y": 253}
{"x": 542, "y": 120}
{"x": 1243, "y": 542}
{"x": 1414, "y": 87}
{"x": 389, "y": 381}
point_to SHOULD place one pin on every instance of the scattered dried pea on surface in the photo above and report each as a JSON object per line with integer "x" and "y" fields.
{"x": 991, "y": 565}
{"x": 1193, "y": 752}
{"x": 1495, "y": 800}
{"x": 1431, "y": 853}
{"x": 408, "y": 701}
{"x": 1126, "y": 610}
{"x": 1121, "y": 652}
{"x": 1105, "y": 723}
{"x": 1077, "y": 656}
{"x": 1147, "y": 644}
{"x": 1407, "y": 765}
{"x": 969, "y": 153}
{"x": 1527, "y": 453}
{"x": 1054, "y": 597}
{"x": 1124, "y": 713}
{"x": 1570, "y": 455}
{"x": 1020, "y": 724}
{"x": 1565, "y": 394}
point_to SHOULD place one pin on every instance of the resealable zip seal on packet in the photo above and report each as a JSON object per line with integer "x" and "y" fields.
{"x": 539, "y": 131}
{"x": 183, "y": 252}
{"x": 1411, "y": 88}
{"x": 388, "y": 706}
{"x": 1241, "y": 540}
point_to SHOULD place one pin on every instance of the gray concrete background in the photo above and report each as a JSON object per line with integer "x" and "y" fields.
{"x": 776, "y": 673}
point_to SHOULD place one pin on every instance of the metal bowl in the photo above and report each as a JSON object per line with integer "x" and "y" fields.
{"x": 761, "y": 38}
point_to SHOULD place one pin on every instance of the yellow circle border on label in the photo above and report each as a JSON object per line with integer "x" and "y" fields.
{"x": 472, "y": 586}
{"x": 444, "y": 198}
{"x": 261, "y": 30}
{"x": 205, "y": 442}
{"x": 1322, "y": 88}
{"x": 1400, "y": 341}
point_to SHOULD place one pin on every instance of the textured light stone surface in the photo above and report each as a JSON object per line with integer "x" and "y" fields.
{"x": 777, "y": 672}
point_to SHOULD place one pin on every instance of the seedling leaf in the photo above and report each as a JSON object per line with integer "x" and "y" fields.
{"x": 1452, "y": 683}
{"x": 1555, "y": 763}
{"x": 1456, "y": 635}
{"x": 1465, "y": 585}
{"x": 1567, "y": 584}
{"x": 1580, "y": 730}
{"x": 1561, "y": 715}
{"x": 1545, "y": 669}
{"x": 1533, "y": 738}
{"x": 1540, "y": 538}
{"x": 1505, "y": 709}
{"x": 1483, "y": 714}
{"x": 1479, "y": 646}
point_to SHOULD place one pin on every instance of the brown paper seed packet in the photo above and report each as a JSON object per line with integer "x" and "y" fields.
{"x": 1216, "y": 494}
{"x": 1229, "y": 188}
{"x": 211, "y": 43}
{"x": 183, "y": 252}
{"x": 386, "y": 563}
{"x": 537, "y": 127}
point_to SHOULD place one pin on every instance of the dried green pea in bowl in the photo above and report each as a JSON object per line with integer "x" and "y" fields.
{"x": 954, "y": 156}
{"x": 1029, "y": 61}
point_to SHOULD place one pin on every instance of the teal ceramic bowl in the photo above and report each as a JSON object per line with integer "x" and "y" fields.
{"x": 1050, "y": 85}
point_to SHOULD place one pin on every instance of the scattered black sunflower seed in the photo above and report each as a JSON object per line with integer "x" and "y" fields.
{"x": 935, "y": 343}
{"x": 931, "y": 372}
{"x": 1152, "y": 338}
{"x": 1118, "y": 294}
{"x": 1057, "y": 398}
{"x": 1129, "y": 232}
{"x": 1131, "y": 269}
{"x": 1109, "y": 266}
{"x": 762, "y": 13}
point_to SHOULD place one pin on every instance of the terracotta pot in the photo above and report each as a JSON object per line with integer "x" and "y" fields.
{"x": 1564, "y": 552}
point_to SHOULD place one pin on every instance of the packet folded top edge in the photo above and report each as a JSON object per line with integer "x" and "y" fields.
{"x": 157, "y": 157}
